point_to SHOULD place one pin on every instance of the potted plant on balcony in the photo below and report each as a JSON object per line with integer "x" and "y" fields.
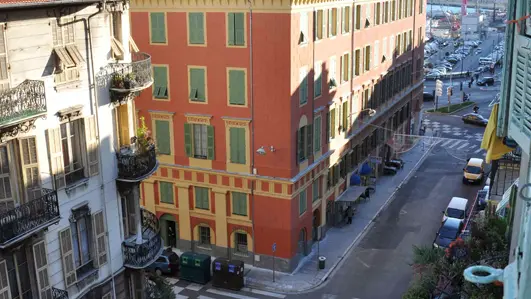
{"x": 143, "y": 140}
{"x": 130, "y": 81}
{"x": 118, "y": 81}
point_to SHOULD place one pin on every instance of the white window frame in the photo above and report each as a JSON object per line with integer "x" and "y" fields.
{"x": 78, "y": 138}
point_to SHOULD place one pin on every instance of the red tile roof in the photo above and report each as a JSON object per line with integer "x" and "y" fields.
{"x": 16, "y": 3}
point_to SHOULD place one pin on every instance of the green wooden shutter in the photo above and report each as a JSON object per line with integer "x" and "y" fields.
{"x": 197, "y": 30}
{"x": 239, "y": 29}
{"x": 156, "y": 81}
{"x": 160, "y": 88}
{"x": 237, "y": 145}
{"x": 188, "y": 139}
{"x": 210, "y": 143}
{"x": 237, "y": 87}
{"x": 327, "y": 126}
{"x": 241, "y": 145}
{"x": 309, "y": 134}
{"x": 317, "y": 84}
{"x": 300, "y": 144}
{"x": 303, "y": 90}
{"x": 197, "y": 84}
{"x": 230, "y": 29}
{"x": 333, "y": 123}
{"x": 162, "y": 128}
{"x": 158, "y": 27}
{"x": 317, "y": 134}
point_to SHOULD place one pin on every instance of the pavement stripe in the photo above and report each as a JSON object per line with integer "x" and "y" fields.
{"x": 455, "y": 143}
{"x": 180, "y": 297}
{"x": 266, "y": 293}
{"x": 477, "y": 151}
{"x": 195, "y": 287}
{"x": 231, "y": 295}
{"x": 204, "y": 297}
{"x": 463, "y": 145}
{"x": 446, "y": 143}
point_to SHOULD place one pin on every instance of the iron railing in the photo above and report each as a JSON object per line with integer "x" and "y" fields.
{"x": 139, "y": 256}
{"x": 133, "y": 76}
{"x": 30, "y": 216}
{"x": 59, "y": 294}
{"x": 134, "y": 166}
{"x": 26, "y": 100}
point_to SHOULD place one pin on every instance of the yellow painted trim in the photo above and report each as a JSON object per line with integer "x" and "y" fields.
{"x": 200, "y": 163}
{"x": 164, "y": 116}
{"x": 235, "y": 167}
{"x": 164, "y": 209}
{"x": 198, "y": 119}
{"x": 198, "y": 213}
{"x": 190, "y": 87}
{"x": 220, "y": 198}
{"x": 245, "y": 105}
{"x": 244, "y": 29}
{"x": 167, "y": 66}
{"x": 149, "y": 196}
{"x": 184, "y": 213}
{"x": 232, "y": 243}
{"x": 165, "y": 29}
{"x": 239, "y": 221}
{"x": 188, "y": 30}
{"x": 212, "y": 235}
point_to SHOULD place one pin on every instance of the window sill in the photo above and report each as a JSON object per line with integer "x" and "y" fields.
{"x": 86, "y": 278}
{"x": 67, "y": 85}
{"x": 242, "y": 254}
{"x": 73, "y": 186}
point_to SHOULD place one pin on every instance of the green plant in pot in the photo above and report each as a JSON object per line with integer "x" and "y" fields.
{"x": 118, "y": 81}
{"x": 130, "y": 80}
{"x": 143, "y": 139}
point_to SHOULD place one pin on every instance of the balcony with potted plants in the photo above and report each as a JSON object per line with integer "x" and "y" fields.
{"x": 129, "y": 79}
{"x": 142, "y": 249}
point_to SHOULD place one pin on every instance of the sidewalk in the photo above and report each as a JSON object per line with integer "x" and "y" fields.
{"x": 338, "y": 241}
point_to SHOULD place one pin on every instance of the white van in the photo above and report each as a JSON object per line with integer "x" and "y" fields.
{"x": 457, "y": 208}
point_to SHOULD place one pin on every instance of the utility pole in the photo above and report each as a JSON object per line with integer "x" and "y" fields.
{"x": 431, "y": 18}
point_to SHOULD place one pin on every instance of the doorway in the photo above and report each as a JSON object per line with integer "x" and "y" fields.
{"x": 303, "y": 242}
{"x": 169, "y": 230}
{"x": 316, "y": 222}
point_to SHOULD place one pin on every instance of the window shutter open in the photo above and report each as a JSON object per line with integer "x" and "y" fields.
{"x": 309, "y": 134}
{"x": 299, "y": 146}
{"x": 67, "y": 255}
{"x": 5, "y": 291}
{"x": 55, "y": 151}
{"x": 188, "y": 139}
{"x": 210, "y": 143}
{"x": 91, "y": 139}
{"x": 4, "y": 69}
{"x": 100, "y": 243}
{"x": 230, "y": 28}
{"x": 233, "y": 145}
{"x": 40, "y": 258}
{"x": 333, "y": 123}
{"x": 30, "y": 167}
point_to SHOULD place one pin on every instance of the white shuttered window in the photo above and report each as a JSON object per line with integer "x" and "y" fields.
{"x": 40, "y": 258}
{"x": 4, "y": 66}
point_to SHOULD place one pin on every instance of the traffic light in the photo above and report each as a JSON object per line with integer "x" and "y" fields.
{"x": 438, "y": 88}
{"x": 449, "y": 91}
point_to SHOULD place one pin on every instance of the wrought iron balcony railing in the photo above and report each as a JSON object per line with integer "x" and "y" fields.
{"x": 59, "y": 294}
{"x": 139, "y": 256}
{"x": 26, "y": 219}
{"x": 131, "y": 77}
{"x": 134, "y": 165}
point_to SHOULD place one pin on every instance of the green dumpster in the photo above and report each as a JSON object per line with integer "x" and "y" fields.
{"x": 195, "y": 267}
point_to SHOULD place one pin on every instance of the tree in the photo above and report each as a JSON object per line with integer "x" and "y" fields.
{"x": 158, "y": 288}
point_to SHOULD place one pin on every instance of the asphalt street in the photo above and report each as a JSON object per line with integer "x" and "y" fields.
{"x": 379, "y": 266}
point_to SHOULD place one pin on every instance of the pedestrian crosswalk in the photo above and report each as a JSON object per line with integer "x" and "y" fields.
{"x": 461, "y": 147}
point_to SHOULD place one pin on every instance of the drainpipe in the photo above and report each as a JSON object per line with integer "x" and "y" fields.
{"x": 251, "y": 89}
{"x": 95, "y": 104}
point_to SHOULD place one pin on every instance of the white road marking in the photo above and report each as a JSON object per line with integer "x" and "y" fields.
{"x": 463, "y": 145}
{"x": 231, "y": 295}
{"x": 455, "y": 143}
{"x": 194, "y": 287}
{"x": 477, "y": 151}
{"x": 204, "y": 297}
{"x": 266, "y": 293}
{"x": 447, "y": 142}
{"x": 363, "y": 263}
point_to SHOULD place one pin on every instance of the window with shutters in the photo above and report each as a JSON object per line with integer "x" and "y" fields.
{"x": 117, "y": 48}
{"x": 332, "y": 22}
{"x": 202, "y": 198}
{"x": 303, "y": 202}
{"x": 319, "y": 25}
{"x": 121, "y": 117}
{"x": 304, "y": 143}
{"x": 367, "y": 58}
{"x": 357, "y": 62}
{"x": 204, "y": 236}
{"x": 200, "y": 146}
{"x": 40, "y": 258}
{"x": 128, "y": 215}
{"x": 404, "y": 42}
{"x": 393, "y": 10}
{"x": 157, "y": 22}
{"x": 236, "y": 24}
{"x": 68, "y": 58}
{"x": 197, "y": 84}
{"x": 398, "y": 45}
{"x": 378, "y": 13}
{"x": 199, "y": 141}
{"x": 409, "y": 39}
{"x": 237, "y": 87}
{"x": 332, "y": 73}
{"x": 315, "y": 190}
{"x": 358, "y": 18}
{"x": 386, "y": 12}
{"x": 421, "y": 6}
{"x": 345, "y": 19}
{"x": 4, "y": 64}
{"x": 238, "y": 145}
{"x": 160, "y": 82}
{"x": 17, "y": 273}
{"x": 303, "y": 86}
{"x": 332, "y": 123}
{"x": 345, "y": 67}
{"x": 400, "y": 9}
{"x": 303, "y": 24}
{"x": 345, "y": 116}
{"x": 166, "y": 192}
{"x": 239, "y": 203}
{"x": 163, "y": 137}
{"x": 317, "y": 134}
{"x": 368, "y": 15}
{"x": 196, "y": 28}
{"x": 317, "y": 80}
{"x": 71, "y": 142}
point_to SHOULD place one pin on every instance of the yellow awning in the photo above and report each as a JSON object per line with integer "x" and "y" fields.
{"x": 492, "y": 143}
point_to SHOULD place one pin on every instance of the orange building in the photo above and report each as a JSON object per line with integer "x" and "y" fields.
{"x": 260, "y": 115}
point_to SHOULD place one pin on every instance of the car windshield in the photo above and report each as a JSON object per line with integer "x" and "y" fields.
{"x": 447, "y": 233}
{"x": 455, "y": 213}
{"x": 473, "y": 169}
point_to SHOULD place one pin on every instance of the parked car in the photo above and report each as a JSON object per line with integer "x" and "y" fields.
{"x": 427, "y": 96}
{"x": 457, "y": 208}
{"x": 448, "y": 232}
{"x": 389, "y": 170}
{"x": 481, "y": 201}
{"x": 485, "y": 81}
{"x": 166, "y": 263}
{"x": 473, "y": 171}
{"x": 474, "y": 118}
{"x": 396, "y": 163}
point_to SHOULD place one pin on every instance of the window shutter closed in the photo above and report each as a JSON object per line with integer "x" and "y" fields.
{"x": 162, "y": 131}
{"x": 67, "y": 254}
{"x": 55, "y": 151}
{"x": 333, "y": 123}
{"x": 158, "y": 27}
{"x": 30, "y": 168}
{"x": 343, "y": 19}
{"x": 188, "y": 139}
{"x": 522, "y": 88}
{"x": 4, "y": 69}
{"x": 210, "y": 143}
{"x": 309, "y": 134}
{"x": 5, "y": 291}
{"x": 196, "y": 28}
{"x": 41, "y": 269}
{"x": 239, "y": 28}
{"x": 317, "y": 134}
{"x": 100, "y": 245}
{"x": 7, "y": 202}
{"x": 237, "y": 87}
{"x": 230, "y": 28}
{"x": 91, "y": 136}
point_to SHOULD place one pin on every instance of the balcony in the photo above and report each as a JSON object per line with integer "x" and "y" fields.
{"x": 139, "y": 256}
{"x": 20, "y": 107}
{"x": 21, "y": 222}
{"x": 128, "y": 79}
{"x": 134, "y": 165}
{"x": 59, "y": 294}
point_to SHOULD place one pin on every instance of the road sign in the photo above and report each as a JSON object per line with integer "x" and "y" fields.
{"x": 438, "y": 88}
{"x": 449, "y": 91}
{"x": 274, "y": 247}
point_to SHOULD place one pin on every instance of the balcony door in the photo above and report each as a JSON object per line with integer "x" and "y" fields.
{"x": 128, "y": 216}
{"x": 122, "y": 125}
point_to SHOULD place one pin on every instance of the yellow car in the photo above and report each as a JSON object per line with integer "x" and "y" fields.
{"x": 473, "y": 171}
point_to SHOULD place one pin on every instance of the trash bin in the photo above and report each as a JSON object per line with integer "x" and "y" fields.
{"x": 235, "y": 281}
{"x": 195, "y": 267}
{"x": 220, "y": 273}
{"x": 322, "y": 262}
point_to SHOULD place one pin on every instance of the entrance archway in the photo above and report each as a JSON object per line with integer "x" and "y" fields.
{"x": 316, "y": 222}
{"x": 169, "y": 230}
{"x": 303, "y": 241}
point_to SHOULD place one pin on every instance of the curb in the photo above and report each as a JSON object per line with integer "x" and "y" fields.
{"x": 366, "y": 228}
{"x": 451, "y": 113}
